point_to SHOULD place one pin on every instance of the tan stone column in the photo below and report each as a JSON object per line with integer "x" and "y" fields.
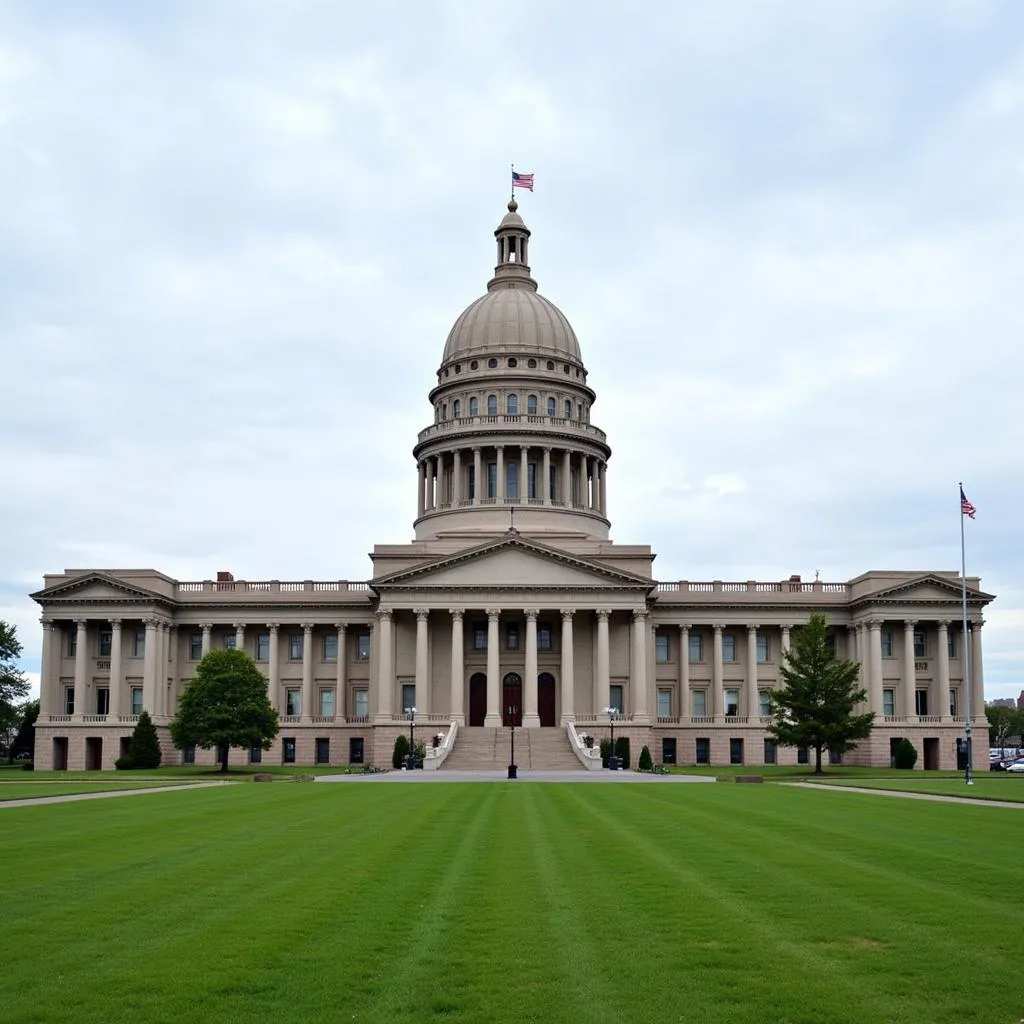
{"x": 638, "y": 667}
{"x": 149, "y": 667}
{"x": 116, "y": 679}
{"x": 341, "y": 672}
{"x": 568, "y": 668}
{"x": 163, "y": 648}
{"x": 457, "y": 478}
{"x": 493, "y": 715}
{"x": 239, "y": 636}
{"x": 478, "y": 482}
{"x": 421, "y": 477}
{"x": 567, "y": 477}
{"x": 81, "y": 664}
{"x": 604, "y": 489}
{"x": 751, "y": 676}
{"x": 602, "y": 677}
{"x": 431, "y": 477}
{"x": 500, "y": 458}
{"x": 422, "y": 668}
{"x": 717, "y": 676}
{"x": 977, "y": 675}
{"x": 875, "y": 668}
{"x": 385, "y": 666}
{"x": 274, "y": 668}
{"x": 307, "y": 671}
{"x": 47, "y": 687}
{"x": 531, "y": 719}
{"x": 909, "y": 676}
{"x": 458, "y": 709}
{"x": 785, "y": 638}
{"x": 942, "y": 683}
{"x": 545, "y": 488}
{"x": 171, "y": 706}
{"x": 684, "y": 671}
{"x": 524, "y": 475}
{"x": 207, "y": 627}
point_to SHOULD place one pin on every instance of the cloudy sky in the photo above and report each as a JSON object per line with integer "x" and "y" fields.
{"x": 234, "y": 235}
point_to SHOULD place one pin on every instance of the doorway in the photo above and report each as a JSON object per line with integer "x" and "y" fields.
{"x": 931, "y": 753}
{"x": 477, "y": 698}
{"x": 93, "y": 753}
{"x": 512, "y": 699}
{"x": 546, "y": 699}
{"x": 60, "y": 753}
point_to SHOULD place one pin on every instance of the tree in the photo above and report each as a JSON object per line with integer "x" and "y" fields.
{"x": 646, "y": 762}
{"x": 401, "y": 751}
{"x": 25, "y": 741}
{"x": 904, "y": 755}
{"x": 13, "y": 684}
{"x": 1002, "y": 724}
{"x": 225, "y": 705}
{"x": 814, "y": 707}
{"x": 144, "y": 750}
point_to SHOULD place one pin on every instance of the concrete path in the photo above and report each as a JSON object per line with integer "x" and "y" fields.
{"x": 936, "y": 797}
{"x": 35, "y": 800}
{"x": 524, "y": 776}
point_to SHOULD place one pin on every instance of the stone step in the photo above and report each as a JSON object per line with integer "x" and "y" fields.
{"x": 482, "y": 748}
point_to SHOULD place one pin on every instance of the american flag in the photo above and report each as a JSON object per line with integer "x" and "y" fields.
{"x": 522, "y": 180}
{"x": 966, "y": 508}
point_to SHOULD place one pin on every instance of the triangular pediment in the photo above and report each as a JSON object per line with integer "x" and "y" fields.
{"x": 513, "y": 562}
{"x": 926, "y": 589}
{"x": 96, "y": 587}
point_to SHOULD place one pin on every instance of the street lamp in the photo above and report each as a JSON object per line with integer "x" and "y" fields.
{"x": 613, "y": 761}
{"x": 513, "y": 768}
{"x": 410, "y": 761}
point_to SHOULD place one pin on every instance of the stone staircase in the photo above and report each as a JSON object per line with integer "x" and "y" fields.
{"x": 478, "y": 748}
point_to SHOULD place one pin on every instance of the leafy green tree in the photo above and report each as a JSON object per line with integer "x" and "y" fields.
{"x": 144, "y": 749}
{"x": 401, "y": 751}
{"x": 1002, "y": 724}
{"x": 25, "y": 741}
{"x": 225, "y": 705}
{"x": 814, "y": 706}
{"x": 904, "y": 754}
{"x": 13, "y": 684}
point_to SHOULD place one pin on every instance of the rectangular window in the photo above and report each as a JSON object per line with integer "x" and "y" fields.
{"x": 471, "y": 482}
{"x": 551, "y": 481}
{"x": 531, "y": 473}
{"x": 668, "y": 750}
{"x": 889, "y": 702}
{"x": 661, "y": 647}
{"x": 544, "y": 636}
{"x": 230, "y": 641}
{"x": 802, "y": 755}
{"x": 327, "y": 703}
{"x": 830, "y": 642}
{"x": 769, "y": 752}
{"x": 293, "y": 703}
{"x": 921, "y": 702}
{"x": 735, "y": 751}
{"x": 702, "y": 750}
{"x": 263, "y": 647}
{"x": 764, "y": 703}
{"x": 615, "y": 697}
{"x": 762, "y": 649}
{"x": 408, "y": 697}
{"x": 295, "y": 646}
{"x": 664, "y": 703}
{"x": 139, "y": 644}
{"x": 188, "y": 754}
{"x": 330, "y": 646}
{"x": 195, "y": 646}
{"x": 256, "y": 754}
{"x": 69, "y": 700}
{"x": 886, "y": 643}
{"x": 492, "y": 480}
{"x": 728, "y": 647}
{"x": 951, "y": 643}
{"x": 288, "y": 750}
{"x": 700, "y": 703}
{"x": 696, "y": 647}
{"x": 102, "y": 702}
{"x": 479, "y": 636}
{"x": 361, "y": 703}
{"x": 834, "y": 758}
{"x": 356, "y": 748}
{"x": 919, "y": 645}
{"x": 362, "y": 646}
{"x": 732, "y": 702}
{"x": 953, "y": 702}
{"x": 106, "y": 638}
{"x": 512, "y": 480}
{"x": 136, "y": 700}
{"x": 323, "y": 751}
{"x": 72, "y": 642}
{"x": 512, "y": 637}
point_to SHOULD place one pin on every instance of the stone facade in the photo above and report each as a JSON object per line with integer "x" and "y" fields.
{"x": 511, "y": 603}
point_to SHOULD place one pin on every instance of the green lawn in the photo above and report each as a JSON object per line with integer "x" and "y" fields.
{"x": 510, "y": 902}
{"x": 987, "y": 786}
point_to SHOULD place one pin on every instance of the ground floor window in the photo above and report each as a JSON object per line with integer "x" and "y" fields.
{"x": 668, "y": 750}
{"x": 188, "y": 754}
{"x": 703, "y": 750}
{"x": 834, "y": 758}
{"x": 769, "y": 752}
{"x": 256, "y": 754}
{"x": 356, "y": 748}
{"x": 802, "y": 755}
{"x": 736, "y": 751}
{"x": 288, "y": 750}
{"x": 323, "y": 751}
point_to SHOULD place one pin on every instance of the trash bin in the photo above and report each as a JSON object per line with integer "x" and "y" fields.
{"x": 613, "y": 763}
{"x": 513, "y": 771}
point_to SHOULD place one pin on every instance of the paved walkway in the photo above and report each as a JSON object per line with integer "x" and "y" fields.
{"x": 29, "y": 801}
{"x": 524, "y": 776}
{"x": 974, "y": 801}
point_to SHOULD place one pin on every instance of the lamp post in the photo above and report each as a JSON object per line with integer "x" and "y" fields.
{"x": 513, "y": 768}
{"x": 410, "y": 761}
{"x": 613, "y": 761}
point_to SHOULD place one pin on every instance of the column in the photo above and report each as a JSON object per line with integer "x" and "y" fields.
{"x": 875, "y": 668}
{"x": 239, "y": 636}
{"x": 207, "y": 626}
{"x": 524, "y": 475}
{"x": 457, "y": 700}
{"x": 604, "y": 489}
{"x": 163, "y": 648}
{"x": 568, "y": 669}
{"x": 942, "y": 683}
{"x": 567, "y": 477}
{"x": 422, "y": 673}
{"x": 751, "y": 677}
{"x": 273, "y": 669}
{"x": 531, "y": 719}
{"x": 149, "y": 663}
{"x": 457, "y": 478}
{"x": 116, "y": 682}
{"x": 638, "y": 666}
{"x": 501, "y": 474}
{"x": 545, "y": 487}
{"x": 421, "y": 478}
{"x": 341, "y": 672}
{"x": 478, "y": 482}
{"x": 47, "y": 686}
{"x": 717, "y": 676}
{"x": 385, "y": 666}
{"x": 907, "y": 682}
{"x": 493, "y": 715}
{"x": 171, "y": 704}
{"x": 684, "y": 671}
{"x": 307, "y": 671}
{"x": 81, "y": 664}
{"x": 977, "y": 675}
{"x": 859, "y": 649}
{"x": 785, "y": 638}
{"x": 602, "y": 677}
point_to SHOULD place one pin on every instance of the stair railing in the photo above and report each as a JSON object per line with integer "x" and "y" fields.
{"x": 436, "y": 756}
{"x": 589, "y": 757}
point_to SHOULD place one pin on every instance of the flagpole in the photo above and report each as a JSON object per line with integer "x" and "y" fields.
{"x": 965, "y": 649}
{"x": 513, "y": 169}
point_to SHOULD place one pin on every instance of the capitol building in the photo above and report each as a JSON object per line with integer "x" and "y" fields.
{"x": 511, "y": 605}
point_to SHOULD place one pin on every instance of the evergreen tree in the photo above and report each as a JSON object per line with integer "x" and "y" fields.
{"x": 144, "y": 750}
{"x": 814, "y": 706}
{"x": 905, "y": 754}
{"x": 401, "y": 751}
{"x": 646, "y": 762}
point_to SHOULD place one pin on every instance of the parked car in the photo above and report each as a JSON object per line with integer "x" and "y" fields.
{"x": 1016, "y": 766}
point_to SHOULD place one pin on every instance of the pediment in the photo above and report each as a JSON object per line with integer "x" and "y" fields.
{"x": 515, "y": 563}
{"x": 99, "y": 588}
{"x": 925, "y": 590}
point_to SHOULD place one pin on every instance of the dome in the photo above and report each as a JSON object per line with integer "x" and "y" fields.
{"x": 516, "y": 321}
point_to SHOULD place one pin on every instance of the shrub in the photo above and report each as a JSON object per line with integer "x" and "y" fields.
{"x": 123, "y": 764}
{"x": 905, "y": 754}
{"x": 144, "y": 751}
{"x": 645, "y": 764}
{"x": 622, "y": 751}
{"x": 606, "y": 752}
{"x": 401, "y": 751}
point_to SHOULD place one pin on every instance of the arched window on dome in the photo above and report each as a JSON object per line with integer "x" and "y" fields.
{"x": 444, "y": 410}
{"x": 474, "y": 407}
{"x": 531, "y": 363}
{"x": 531, "y": 405}
{"x": 457, "y": 409}
{"x": 551, "y": 407}
{"x": 512, "y": 405}
{"x": 474, "y": 365}
{"x": 492, "y": 405}
{"x": 492, "y": 363}
{"x": 551, "y": 364}
{"x": 568, "y": 409}
{"x": 513, "y": 363}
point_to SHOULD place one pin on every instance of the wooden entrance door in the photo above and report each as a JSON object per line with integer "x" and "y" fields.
{"x": 546, "y": 699}
{"x": 477, "y": 698}
{"x": 512, "y": 700}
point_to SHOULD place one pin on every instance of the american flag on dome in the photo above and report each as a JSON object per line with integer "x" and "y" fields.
{"x": 966, "y": 508}
{"x": 522, "y": 180}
